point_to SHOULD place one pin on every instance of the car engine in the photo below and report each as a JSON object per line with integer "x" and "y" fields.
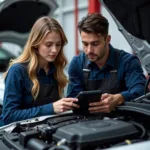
{"x": 126, "y": 125}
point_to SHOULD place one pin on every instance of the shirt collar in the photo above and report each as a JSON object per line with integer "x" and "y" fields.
{"x": 41, "y": 71}
{"x": 111, "y": 61}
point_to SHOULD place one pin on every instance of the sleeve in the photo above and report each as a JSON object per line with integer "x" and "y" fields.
{"x": 13, "y": 99}
{"x": 134, "y": 78}
{"x": 75, "y": 78}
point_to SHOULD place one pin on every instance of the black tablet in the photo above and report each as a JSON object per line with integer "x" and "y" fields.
{"x": 86, "y": 97}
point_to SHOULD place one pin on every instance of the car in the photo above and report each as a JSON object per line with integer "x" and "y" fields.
{"x": 127, "y": 127}
{"x": 1, "y": 92}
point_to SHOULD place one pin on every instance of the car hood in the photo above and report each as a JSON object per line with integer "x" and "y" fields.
{"x": 18, "y": 16}
{"x": 132, "y": 19}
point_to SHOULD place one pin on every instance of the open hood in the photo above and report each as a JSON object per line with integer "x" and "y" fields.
{"x": 18, "y": 16}
{"x": 132, "y": 19}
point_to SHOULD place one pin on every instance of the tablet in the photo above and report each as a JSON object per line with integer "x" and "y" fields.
{"x": 86, "y": 97}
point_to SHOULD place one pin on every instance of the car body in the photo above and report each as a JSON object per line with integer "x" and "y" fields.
{"x": 1, "y": 90}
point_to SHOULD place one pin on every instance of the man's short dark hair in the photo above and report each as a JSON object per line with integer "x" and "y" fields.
{"x": 94, "y": 23}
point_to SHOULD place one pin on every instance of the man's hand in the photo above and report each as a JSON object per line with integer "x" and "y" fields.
{"x": 107, "y": 103}
{"x": 65, "y": 104}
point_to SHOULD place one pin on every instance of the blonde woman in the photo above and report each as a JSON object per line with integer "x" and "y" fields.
{"x": 34, "y": 81}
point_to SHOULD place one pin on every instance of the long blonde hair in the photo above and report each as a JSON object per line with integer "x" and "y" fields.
{"x": 38, "y": 32}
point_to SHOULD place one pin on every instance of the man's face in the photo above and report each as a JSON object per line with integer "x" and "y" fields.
{"x": 95, "y": 46}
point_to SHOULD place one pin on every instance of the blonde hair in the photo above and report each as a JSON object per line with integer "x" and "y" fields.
{"x": 38, "y": 32}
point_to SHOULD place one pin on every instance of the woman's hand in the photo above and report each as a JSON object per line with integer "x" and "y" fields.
{"x": 65, "y": 104}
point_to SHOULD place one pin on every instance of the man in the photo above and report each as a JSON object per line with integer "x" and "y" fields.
{"x": 117, "y": 73}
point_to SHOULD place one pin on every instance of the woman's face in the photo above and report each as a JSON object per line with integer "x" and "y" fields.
{"x": 50, "y": 47}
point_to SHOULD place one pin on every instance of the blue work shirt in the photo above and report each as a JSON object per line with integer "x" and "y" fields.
{"x": 18, "y": 100}
{"x": 129, "y": 69}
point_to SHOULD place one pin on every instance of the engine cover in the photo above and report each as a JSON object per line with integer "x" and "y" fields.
{"x": 95, "y": 132}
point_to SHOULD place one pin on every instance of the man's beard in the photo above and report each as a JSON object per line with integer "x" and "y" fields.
{"x": 94, "y": 57}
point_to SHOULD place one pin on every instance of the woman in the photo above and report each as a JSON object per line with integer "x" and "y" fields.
{"x": 34, "y": 81}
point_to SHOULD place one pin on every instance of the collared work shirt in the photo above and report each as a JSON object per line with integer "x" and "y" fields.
{"x": 129, "y": 69}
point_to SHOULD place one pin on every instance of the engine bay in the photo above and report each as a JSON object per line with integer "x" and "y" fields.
{"x": 126, "y": 125}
